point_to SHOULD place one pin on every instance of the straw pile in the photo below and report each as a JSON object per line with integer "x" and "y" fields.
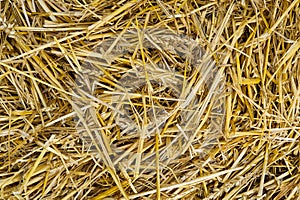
{"x": 47, "y": 152}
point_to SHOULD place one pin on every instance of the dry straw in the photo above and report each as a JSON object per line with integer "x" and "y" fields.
{"x": 44, "y": 45}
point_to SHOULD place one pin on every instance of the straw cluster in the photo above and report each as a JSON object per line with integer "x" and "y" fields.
{"x": 78, "y": 120}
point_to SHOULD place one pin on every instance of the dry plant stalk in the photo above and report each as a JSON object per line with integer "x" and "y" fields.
{"x": 44, "y": 45}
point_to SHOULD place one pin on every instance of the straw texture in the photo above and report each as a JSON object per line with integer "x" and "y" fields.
{"x": 47, "y": 47}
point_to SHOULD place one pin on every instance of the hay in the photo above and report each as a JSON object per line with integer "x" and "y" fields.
{"x": 55, "y": 145}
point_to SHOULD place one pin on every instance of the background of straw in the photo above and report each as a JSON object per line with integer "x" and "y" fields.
{"x": 256, "y": 43}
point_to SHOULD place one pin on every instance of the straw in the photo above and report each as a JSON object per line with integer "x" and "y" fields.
{"x": 50, "y": 61}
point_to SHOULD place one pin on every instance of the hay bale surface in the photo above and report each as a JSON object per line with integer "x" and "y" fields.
{"x": 46, "y": 47}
